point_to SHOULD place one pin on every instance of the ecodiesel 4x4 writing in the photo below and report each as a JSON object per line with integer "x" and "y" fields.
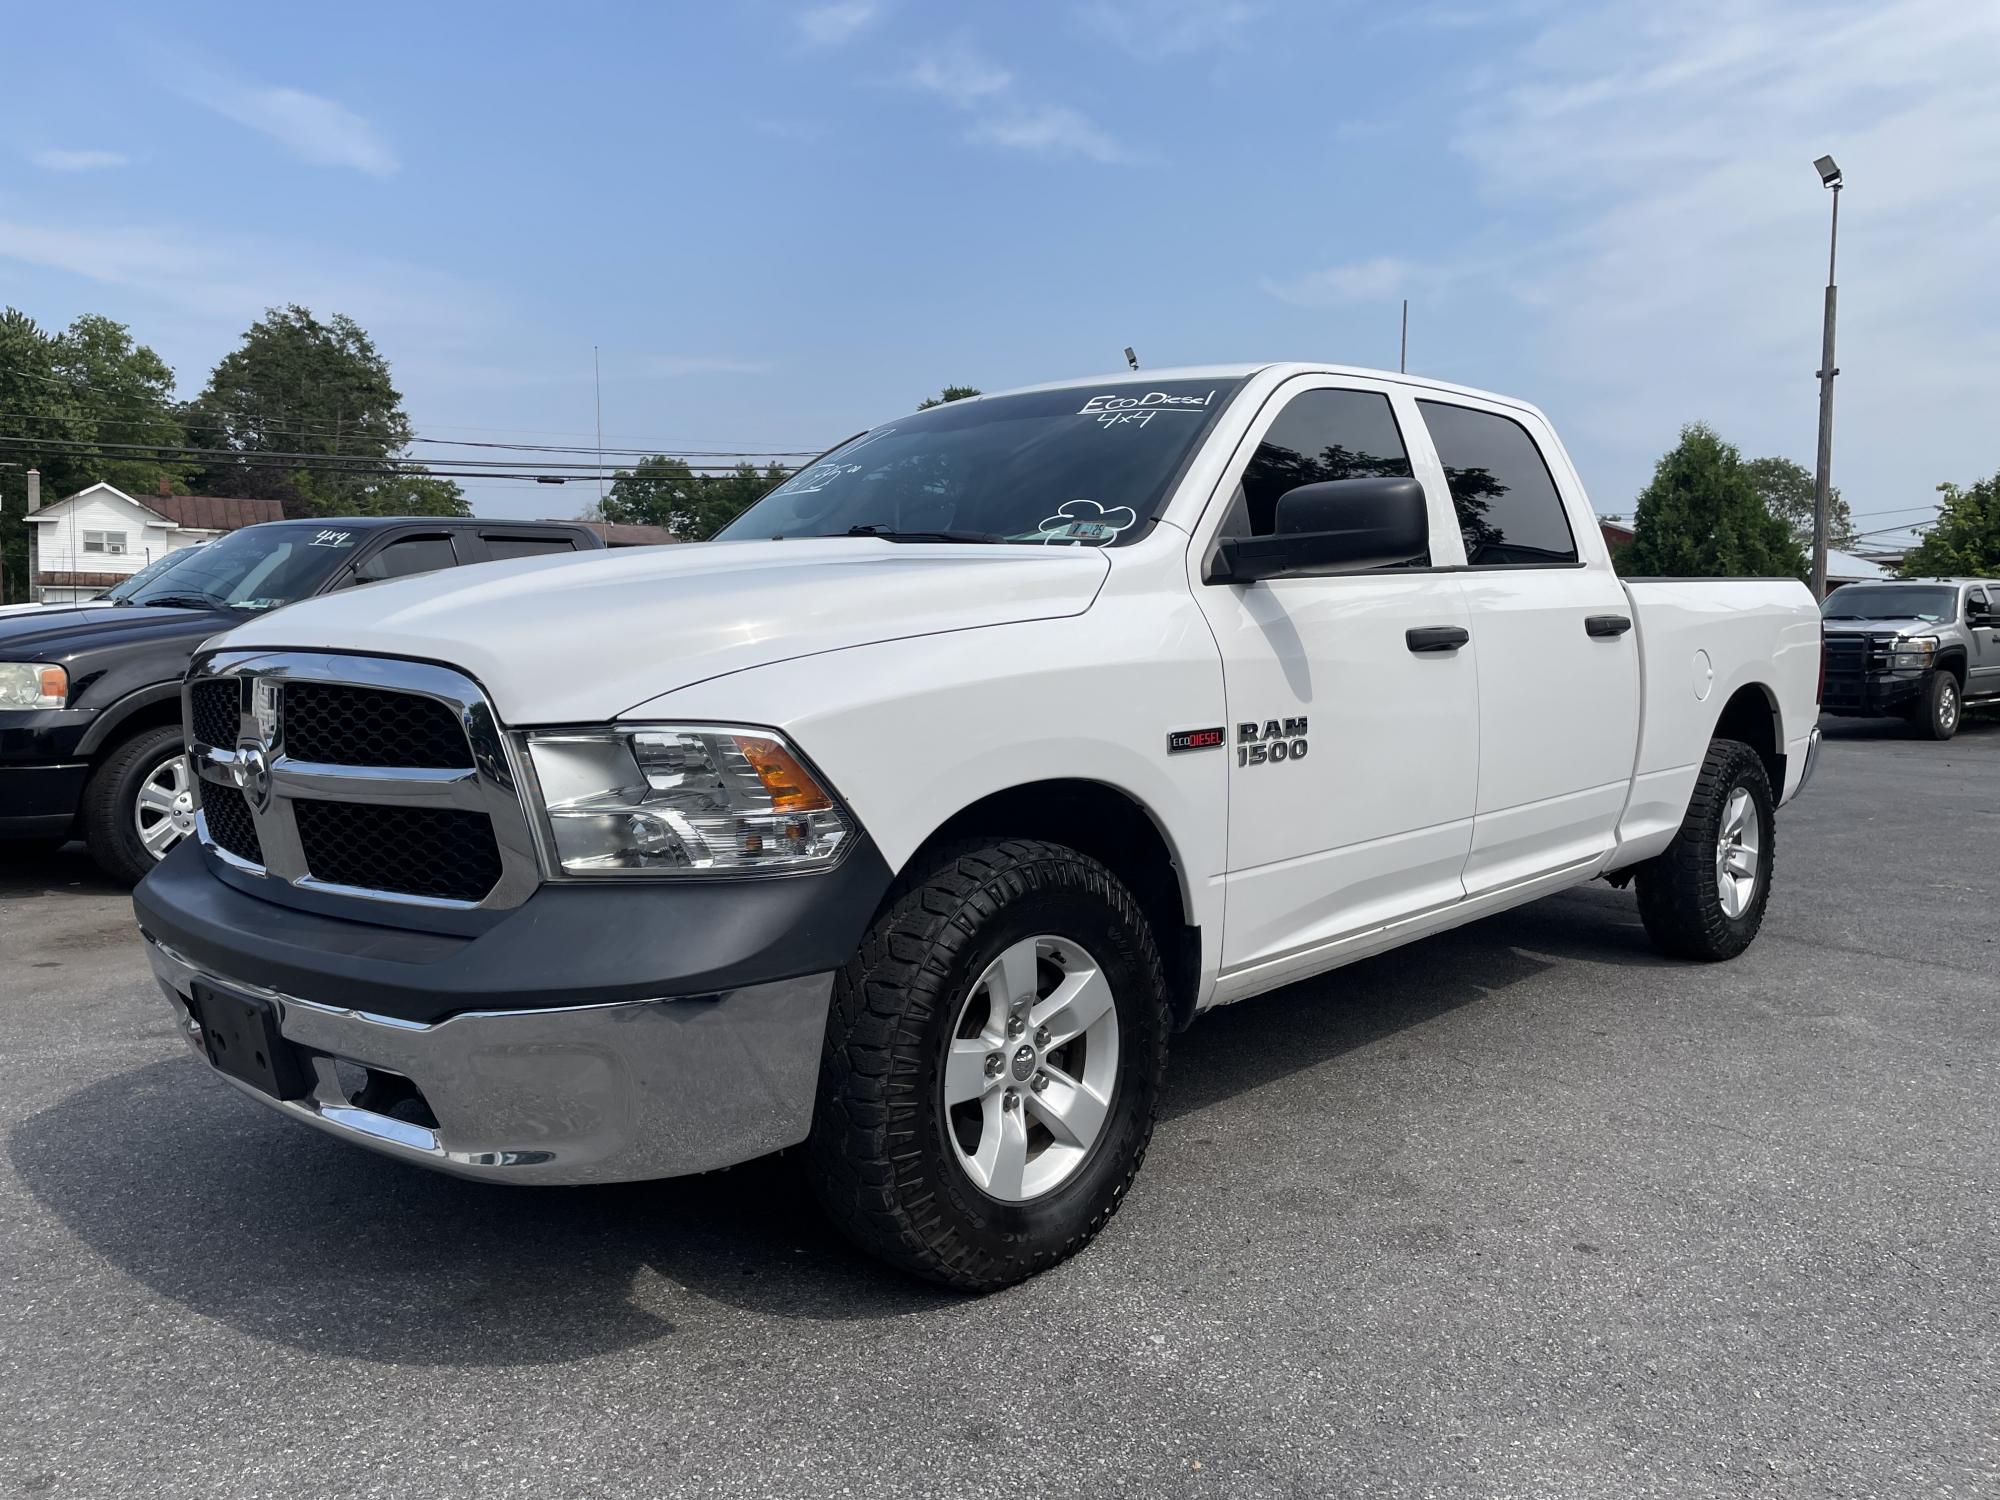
{"x": 1922, "y": 649}
{"x": 911, "y": 817}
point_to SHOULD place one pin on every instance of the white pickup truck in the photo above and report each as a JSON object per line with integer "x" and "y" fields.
{"x": 910, "y": 817}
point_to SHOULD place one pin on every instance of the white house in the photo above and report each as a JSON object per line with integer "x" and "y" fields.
{"x": 86, "y": 543}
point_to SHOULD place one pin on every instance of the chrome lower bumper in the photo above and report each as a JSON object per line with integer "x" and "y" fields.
{"x": 600, "y": 1093}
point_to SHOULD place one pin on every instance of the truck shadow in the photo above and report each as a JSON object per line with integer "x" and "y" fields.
{"x": 286, "y": 1235}
{"x": 28, "y": 872}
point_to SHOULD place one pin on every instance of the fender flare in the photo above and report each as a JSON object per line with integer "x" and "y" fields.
{"x": 108, "y": 721}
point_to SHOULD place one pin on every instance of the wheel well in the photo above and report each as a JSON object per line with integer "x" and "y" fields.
{"x": 1954, "y": 663}
{"x": 1112, "y": 828}
{"x": 158, "y": 715}
{"x": 1751, "y": 717}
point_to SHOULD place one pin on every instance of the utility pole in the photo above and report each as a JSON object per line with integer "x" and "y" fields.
{"x": 597, "y": 380}
{"x": 1829, "y": 176}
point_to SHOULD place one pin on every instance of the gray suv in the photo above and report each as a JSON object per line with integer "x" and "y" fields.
{"x": 1922, "y": 648}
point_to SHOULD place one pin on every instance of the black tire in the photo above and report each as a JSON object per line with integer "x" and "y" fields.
{"x": 1937, "y": 713}
{"x": 1679, "y": 896}
{"x": 109, "y": 800}
{"x": 879, "y": 1156}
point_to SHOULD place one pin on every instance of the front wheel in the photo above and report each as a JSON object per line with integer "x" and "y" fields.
{"x": 1704, "y": 897}
{"x": 1936, "y": 714}
{"x": 992, "y": 1065}
{"x": 138, "y": 804}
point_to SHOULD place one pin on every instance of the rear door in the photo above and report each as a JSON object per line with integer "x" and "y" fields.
{"x": 1352, "y": 757}
{"x": 501, "y": 544}
{"x": 1554, "y": 643}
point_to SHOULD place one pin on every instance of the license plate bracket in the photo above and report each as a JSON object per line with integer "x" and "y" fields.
{"x": 241, "y": 1037}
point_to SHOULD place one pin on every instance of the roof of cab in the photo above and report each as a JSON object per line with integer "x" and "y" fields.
{"x": 1282, "y": 369}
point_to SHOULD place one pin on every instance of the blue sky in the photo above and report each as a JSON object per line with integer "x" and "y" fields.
{"x": 784, "y": 221}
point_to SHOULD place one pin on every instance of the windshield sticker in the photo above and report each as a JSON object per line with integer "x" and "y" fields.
{"x": 1151, "y": 401}
{"x": 818, "y": 477}
{"x": 332, "y": 539}
{"x": 1085, "y": 521}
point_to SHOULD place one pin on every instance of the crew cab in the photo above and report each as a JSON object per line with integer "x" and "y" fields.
{"x": 90, "y": 694}
{"x": 1922, "y": 649}
{"x": 910, "y": 817}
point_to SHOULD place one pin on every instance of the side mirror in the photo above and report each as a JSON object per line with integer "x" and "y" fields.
{"x": 1339, "y": 526}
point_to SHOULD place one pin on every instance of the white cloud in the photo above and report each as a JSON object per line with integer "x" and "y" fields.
{"x": 1374, "y": 280}
{"x": 317, "y": 130}
{"x": 968, "y": 82}
{"x": 313, "y": 128}
{"x": 57, "y": 160}
{"x": 1053, "y": 130}
{"x": 959, "y": 76}
{"x": 832, "y": 25}
{"x": 228, "y": 280}
{"x": 1162, "y": 29}
{"x": 1646, "y": 242}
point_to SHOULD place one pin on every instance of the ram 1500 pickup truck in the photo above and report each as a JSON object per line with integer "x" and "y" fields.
{"x": 1924, "y": 649}
{"x": 910, "y": 817}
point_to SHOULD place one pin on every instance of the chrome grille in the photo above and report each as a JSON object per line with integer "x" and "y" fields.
{"x": 440, "y": 852}
{"x": 350, "y": 726}
{"x": 230, "y": 825}
{"x": 215, "y": 712}
{"x": 358, "y": 777}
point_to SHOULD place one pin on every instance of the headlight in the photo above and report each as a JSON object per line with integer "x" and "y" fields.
{"x": 673, "y": 799}
{"x": 1916, "y": 651}
{"x": 27, "y": 684}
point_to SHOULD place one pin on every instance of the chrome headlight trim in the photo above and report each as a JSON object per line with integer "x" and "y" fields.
{"x": 830, "y": 822}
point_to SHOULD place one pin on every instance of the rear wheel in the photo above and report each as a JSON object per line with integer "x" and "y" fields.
{"x": 992, "y": 1065}
{"x": 1937, "y": 712}
{"x": 138, "y": 804}
{"x": 1704, "y": 897}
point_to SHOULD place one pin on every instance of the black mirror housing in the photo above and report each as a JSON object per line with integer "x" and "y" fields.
{"x": 1338, "y": 526}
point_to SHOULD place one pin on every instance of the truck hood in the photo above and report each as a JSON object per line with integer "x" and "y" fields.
{"x": 1903, "y": 625}
{"x": 61, "y": 634}
{"x": 573, "y": 639}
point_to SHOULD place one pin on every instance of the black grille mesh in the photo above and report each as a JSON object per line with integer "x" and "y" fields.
{"x": 415, "y": 851}
{"x": 216, "y": 711}
{"x": 339, "y": 725}
{"x": 229, "y": 822}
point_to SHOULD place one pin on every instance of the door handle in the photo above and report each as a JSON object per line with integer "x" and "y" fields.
{"x": 1605, "y": 627}
{"x": 1436, "y": 638}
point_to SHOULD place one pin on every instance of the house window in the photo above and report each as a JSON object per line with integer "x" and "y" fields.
{"x": 110, "y": 543}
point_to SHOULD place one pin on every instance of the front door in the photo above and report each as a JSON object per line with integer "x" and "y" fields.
{"x": 1982, "y": 658}
{"x": 1353, "y": 757}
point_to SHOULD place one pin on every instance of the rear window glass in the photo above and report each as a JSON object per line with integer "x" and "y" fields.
{"x": 1509, "y": 509}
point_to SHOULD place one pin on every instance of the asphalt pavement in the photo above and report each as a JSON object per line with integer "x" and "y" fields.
{"x": 1519, "y": 1211}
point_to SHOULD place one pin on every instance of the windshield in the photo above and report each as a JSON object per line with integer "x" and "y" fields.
{"x": 147, "y": 574}
{"x": 259, "y": 567}
{"x": 1078, "y": 466}
{"x": 1860, "y": 601}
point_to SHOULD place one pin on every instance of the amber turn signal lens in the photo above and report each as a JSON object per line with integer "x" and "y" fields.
{"x": 55, "y": 685}
{"x": 791, "y": 786}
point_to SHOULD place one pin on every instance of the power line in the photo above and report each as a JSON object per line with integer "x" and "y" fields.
{"x": 143, "y": 452}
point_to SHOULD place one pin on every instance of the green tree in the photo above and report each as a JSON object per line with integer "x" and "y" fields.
{"x": 68, "y": 398}
{"x": 1701, "y": 517}
{"x": 664, "y": 491}
{"x": 1964, "y": 541}
{"x": 297, "y": 385}
{"x": 1786, "y": 488}
{"x": 949, "y": 393}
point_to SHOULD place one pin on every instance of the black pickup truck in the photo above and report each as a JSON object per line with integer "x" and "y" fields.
{"x": 90, "y": 699}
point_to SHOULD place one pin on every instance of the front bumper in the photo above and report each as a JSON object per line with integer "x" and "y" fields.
{"x": 41, "y": 770}
{"x": 612, "y": 1092}
{"x": 1874, "y": 695}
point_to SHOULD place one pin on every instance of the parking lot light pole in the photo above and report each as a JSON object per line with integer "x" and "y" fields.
{"x": 1829, "y": 176}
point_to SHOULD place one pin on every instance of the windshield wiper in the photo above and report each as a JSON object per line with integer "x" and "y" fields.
{"x": 184, "y": 601}
{"x": 890, "y": 534}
